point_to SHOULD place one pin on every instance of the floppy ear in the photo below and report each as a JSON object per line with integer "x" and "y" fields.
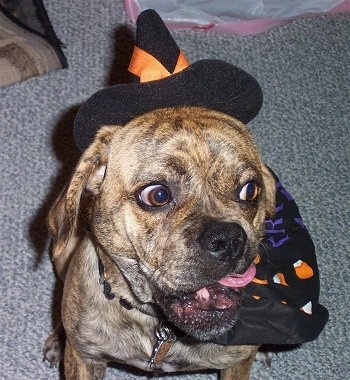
{"x": 87, "y": 178}
{"x": 270, "y": 190}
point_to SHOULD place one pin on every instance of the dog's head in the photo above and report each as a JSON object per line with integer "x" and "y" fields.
{"x": 177, "y": 198}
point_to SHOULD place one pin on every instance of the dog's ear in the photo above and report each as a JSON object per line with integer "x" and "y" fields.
{"x": 270, "y": 190}
{"x": 87, "y": 179}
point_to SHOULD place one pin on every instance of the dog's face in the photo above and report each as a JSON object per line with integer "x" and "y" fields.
{"x": 177, "y": 198}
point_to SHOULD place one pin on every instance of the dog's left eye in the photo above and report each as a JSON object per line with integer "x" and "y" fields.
{"x": 249, "y": 192}
{"x": 155, "y": 196}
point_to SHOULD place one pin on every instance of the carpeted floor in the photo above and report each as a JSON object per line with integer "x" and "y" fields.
{"x": 303, "y": 131}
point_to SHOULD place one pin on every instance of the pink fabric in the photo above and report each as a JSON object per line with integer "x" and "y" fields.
{"x": 241, "y": 28}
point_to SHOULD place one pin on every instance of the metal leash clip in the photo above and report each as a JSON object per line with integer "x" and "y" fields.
{"x": 165, "y": 338}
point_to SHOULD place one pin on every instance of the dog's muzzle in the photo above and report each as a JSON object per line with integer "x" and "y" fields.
{"x": 210, "y": 311}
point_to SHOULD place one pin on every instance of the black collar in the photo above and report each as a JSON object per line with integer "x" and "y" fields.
{"x": 107, "y": 289}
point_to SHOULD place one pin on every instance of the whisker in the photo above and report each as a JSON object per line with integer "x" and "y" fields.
{"x": 266, "y": 249}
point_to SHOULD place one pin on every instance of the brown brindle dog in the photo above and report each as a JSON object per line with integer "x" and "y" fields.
{"x": 157, "y": 231}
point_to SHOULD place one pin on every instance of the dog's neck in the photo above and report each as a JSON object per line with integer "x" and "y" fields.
{"x": 105, "y": 262}
{"x": 164, "y": 335}
{"x": 107, "y": 289}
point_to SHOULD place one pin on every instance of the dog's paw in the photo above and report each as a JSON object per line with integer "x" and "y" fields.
{"x": 265, "y": 357}
{"x": 52, "y": 350}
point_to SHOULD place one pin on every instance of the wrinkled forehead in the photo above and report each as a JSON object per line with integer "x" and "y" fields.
{"x": 188, "y": 143}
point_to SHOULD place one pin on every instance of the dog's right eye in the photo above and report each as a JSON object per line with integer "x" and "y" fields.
{"x": 155, "y": 196}
{"x": 249, "y": 192}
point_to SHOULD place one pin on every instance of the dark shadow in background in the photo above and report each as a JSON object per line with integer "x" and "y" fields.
{"x": 68, "y": 155}
{"x": 63, "y": 143}
{"x": 123, "y": 48}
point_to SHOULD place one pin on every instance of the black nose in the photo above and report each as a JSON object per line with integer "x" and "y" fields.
{"x": 223, "y": 241}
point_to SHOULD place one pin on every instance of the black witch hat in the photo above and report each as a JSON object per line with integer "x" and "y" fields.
{"x": 164, "y": 78}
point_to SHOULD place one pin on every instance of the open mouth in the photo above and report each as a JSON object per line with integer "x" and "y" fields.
{"x": 210, "y": 311}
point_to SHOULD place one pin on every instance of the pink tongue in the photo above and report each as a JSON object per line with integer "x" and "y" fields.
{"x": 239, "y": 280}
{"x": 230, "y": 281}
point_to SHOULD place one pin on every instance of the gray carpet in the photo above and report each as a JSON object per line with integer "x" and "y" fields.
{"x": 303, "y": 132}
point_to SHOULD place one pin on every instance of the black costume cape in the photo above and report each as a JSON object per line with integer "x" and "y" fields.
{"x": 281, "y": 305}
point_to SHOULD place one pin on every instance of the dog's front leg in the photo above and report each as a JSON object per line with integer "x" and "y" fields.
{"x": 75, "y": 368}
{"x": 239, "y": 371}
{"x": 52, "y": 350}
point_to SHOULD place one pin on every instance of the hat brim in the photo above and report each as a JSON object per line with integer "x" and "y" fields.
{"x": 212, "y": 84}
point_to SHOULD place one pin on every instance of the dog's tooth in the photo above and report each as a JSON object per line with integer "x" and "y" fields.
{"x": 203, "y": 294}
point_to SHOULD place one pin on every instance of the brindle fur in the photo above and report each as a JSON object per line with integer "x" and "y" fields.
{"x": 204, "y": 156}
